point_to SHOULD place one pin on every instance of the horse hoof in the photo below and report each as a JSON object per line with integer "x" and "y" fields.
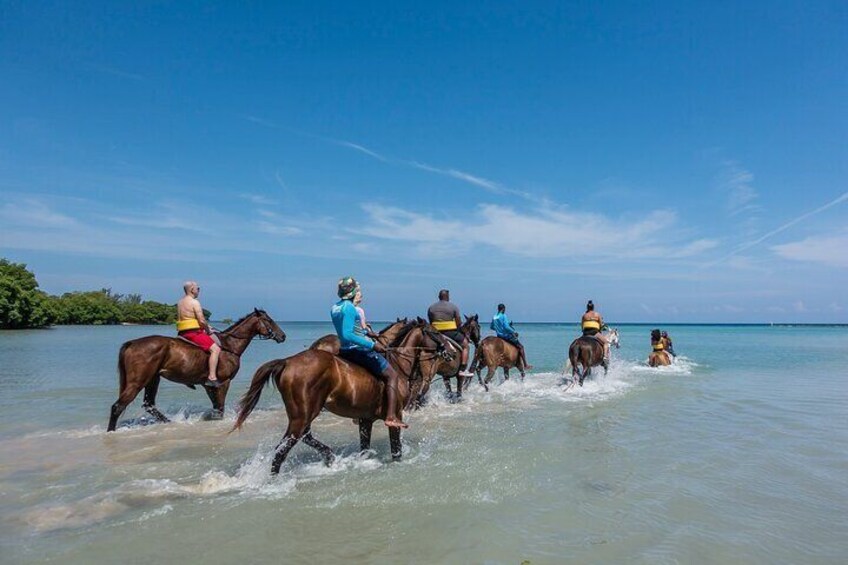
{"x": 213, "y": 415}
{"x": 454, "y": 398}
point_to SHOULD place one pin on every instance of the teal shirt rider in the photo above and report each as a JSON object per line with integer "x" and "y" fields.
{"x": 502, "y": 326}
{"x": 349, "y": 327}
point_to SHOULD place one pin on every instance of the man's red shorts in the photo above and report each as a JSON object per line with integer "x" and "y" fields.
{"x": 199, "y": 338}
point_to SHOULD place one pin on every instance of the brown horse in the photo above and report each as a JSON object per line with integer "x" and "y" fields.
{"x": 143, "y": 362}
{"x": 496, "y": 352}
{"x": 315, "y": 379}
{"x": 449, "y": 365}
{"x": 587, "y": 352}
{"x": 330, "y": 342}
{"x": 658, "y": 359}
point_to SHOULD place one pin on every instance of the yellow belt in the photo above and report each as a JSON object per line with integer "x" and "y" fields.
{"x": 444, "y": 325}
{"x": 659, "y": 347}
{"x": 591, "y": 325}
{"x": 190, "y": 324}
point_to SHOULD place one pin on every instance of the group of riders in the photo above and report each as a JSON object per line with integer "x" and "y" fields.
{"x": 358, "y": 343}
{"x": 359, "y": 346}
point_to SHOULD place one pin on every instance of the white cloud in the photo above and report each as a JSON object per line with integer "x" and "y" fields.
{"x": 33, "y": 213}
{"x": 799, "y": 306}
{"x": 835, "y": 202}
{"x": 828, "y": 250}
{"x": 544, "y": 233}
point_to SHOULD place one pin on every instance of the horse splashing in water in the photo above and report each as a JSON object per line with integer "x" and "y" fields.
{"x": 315, "y": 379}
{"x": 143, "y": 362}
{"x": 492, "y": 353}
{"x": 584, "y": 353}
{"x": 449, "y": 366}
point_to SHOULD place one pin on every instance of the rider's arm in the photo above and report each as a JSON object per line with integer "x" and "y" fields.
{"x": 348, "y": 332}
{"x": 198, "y": 313}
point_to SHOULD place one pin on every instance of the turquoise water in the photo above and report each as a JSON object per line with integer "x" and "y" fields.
{"x": 738, "y": 453}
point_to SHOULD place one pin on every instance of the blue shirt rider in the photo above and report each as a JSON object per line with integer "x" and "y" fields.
{"x": 358, "y": 349}
{"x": 502, "y": 326}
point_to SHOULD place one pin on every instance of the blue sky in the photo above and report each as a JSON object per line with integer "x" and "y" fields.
{"x": 671, "y": 162}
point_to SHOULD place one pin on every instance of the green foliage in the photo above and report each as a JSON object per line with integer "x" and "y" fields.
{"x": 22, "y": 304}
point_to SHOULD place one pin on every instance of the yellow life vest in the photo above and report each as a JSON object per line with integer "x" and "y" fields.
{"x": 659, "y": 346}
{"x": 444, "y": 325}
{"x": 190, "y": 324}
{"x": 591, "y": 325}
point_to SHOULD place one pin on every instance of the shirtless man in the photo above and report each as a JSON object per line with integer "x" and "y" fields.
{"x": 192, "y": 325}
{"x": 591, "y": 323}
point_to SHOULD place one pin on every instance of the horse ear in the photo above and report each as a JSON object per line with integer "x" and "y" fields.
{"x": 255, "y": 310}
{"x": 421, "y": 320}
{"x": 476, "y": 316}
{"x": 466, "y": 317}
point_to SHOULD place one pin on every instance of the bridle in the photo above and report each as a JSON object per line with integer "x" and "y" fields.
{"x": 437, "y": 352}
{"x": 265, "y": 333}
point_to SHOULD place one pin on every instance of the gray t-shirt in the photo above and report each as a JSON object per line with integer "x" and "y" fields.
{"x": 443, "y": 311}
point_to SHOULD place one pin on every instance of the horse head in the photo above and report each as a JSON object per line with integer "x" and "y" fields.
{"x": 266, "y": 327}
{"x": 471, "y": 328}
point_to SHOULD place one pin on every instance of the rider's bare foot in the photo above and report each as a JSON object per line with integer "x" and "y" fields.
{"x": 527, "y": 367}
{"x": 393, "y": 423}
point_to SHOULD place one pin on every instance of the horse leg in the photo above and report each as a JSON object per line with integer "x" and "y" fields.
{"x": 282, "y": 451}
{"x": 125, "y": 398}
{"x": 320, "y": 447}
{"x": 217, "y": 396}
{"x": 149, "y": 404}
{"x": 490, "y": 374}
{"x": 394, "y": 443}
{"x": 605, "y": 365}
{"x": 365, "y": 427}
{"x": 506, "y": 373}
{"x": 448, "y": 390}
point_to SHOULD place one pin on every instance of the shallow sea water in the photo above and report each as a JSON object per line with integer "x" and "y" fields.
{"x": 736, "y": 454}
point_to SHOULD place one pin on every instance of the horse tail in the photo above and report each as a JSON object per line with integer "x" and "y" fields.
{"x": 122, "y": 368}
{"x": 261, "y": 378}
{"x": 574, "y": 356}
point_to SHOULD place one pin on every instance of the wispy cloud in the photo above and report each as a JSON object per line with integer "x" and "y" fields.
{"x": 541, "y": 234}
{"x": 258, "y": 199}
{"x": 737, "y": 182}
{"x": 32, "y": 212}
{"x": 454, "y": 173}
{"x": 829, "y": 250}
{"x": 780, "y": 229}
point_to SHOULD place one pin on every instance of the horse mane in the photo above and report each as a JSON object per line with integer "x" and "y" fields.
{"x": 404, "y": 331}
{"x": 243, "y": 318}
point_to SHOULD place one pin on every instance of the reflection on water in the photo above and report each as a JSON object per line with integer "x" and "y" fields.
{"x": 671, "y": 463}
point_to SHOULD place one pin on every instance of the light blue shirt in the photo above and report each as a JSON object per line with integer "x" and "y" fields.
{"x": 502, "y": 325}
{"x": 349, "y": 327}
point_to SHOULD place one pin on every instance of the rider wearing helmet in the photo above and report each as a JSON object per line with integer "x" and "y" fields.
{"x": 360, "y": 350}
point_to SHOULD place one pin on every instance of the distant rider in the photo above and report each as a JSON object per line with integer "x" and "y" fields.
{"x": 502, "y": 326}
{"x": 192, "y": 325}
{"x": 358, "y": 349}
{"x": 591, "y": 323}
{"x": 444, "y": 316}
{"x": 669, "y": 346}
